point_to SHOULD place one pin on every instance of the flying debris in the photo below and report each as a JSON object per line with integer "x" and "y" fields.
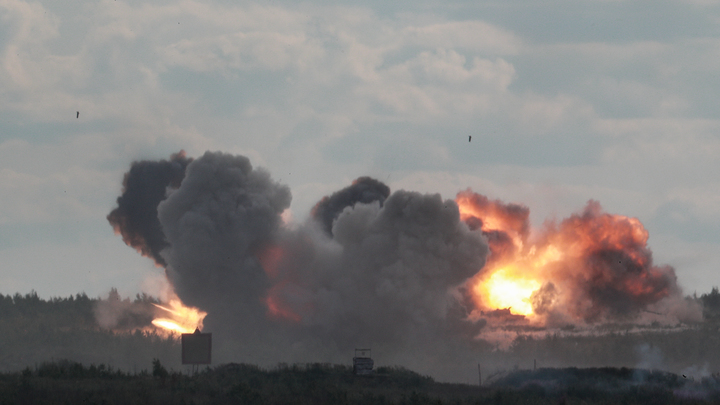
{"x": 469, "y": 138}
{"x": 78, "y": 115}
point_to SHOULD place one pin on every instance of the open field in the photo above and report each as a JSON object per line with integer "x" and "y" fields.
{"x": 64, "y": 382}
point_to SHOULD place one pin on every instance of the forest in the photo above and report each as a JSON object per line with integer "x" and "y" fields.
{"x": 35, "y": 330}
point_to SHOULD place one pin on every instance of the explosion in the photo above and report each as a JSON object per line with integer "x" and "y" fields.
{"x": 371, "y": 265}
{"x": 591, "y": 266}
{"x": 507, "y": 288}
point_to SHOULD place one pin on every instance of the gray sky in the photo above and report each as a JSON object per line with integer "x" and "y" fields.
{"x": 566, "y": 101}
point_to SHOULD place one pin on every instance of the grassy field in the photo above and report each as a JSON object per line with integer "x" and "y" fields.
{"x": 66, "y": 382}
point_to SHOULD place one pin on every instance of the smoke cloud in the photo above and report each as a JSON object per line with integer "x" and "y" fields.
{"x": 386, "y": 276}
{"x": 401, "y": 271}
{"x": 223, "y": 215}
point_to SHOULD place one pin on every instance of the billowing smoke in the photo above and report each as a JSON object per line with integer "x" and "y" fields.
{"x": 402, "y": 271}
{"x": 386, "y": 276}
{"x": 217, "y": 223}
{"x": 363, "y": 190}
{"x": 144, "y": 186}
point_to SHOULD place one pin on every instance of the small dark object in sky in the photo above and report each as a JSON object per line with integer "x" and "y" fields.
{"x": 684, "y": 376}
{"x": 78, "y": 115}
{"x": 469, "y": 138}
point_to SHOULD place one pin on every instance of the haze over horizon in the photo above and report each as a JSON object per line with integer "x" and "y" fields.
{"x": 566, "y": 101}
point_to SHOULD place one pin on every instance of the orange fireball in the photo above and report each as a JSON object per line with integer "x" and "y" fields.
{"x": 590, "y": 266}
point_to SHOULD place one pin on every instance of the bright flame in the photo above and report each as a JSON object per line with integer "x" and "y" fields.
{"x": 510, "y": 285}
{"x": 506, "y": 289}
{"x": 179, "y": 318}
{"x": 170, "y": 325}
{"x": 571, "y": 267}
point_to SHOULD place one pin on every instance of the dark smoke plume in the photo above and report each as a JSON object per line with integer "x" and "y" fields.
{"x": 144, "y": 186}
{"x": 387, "y": 275}
{"x": 363, "y": 190}
{"x": 224, "y": 214}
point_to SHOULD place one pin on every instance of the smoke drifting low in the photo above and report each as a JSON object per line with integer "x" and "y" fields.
{"x": 402, "y": 271}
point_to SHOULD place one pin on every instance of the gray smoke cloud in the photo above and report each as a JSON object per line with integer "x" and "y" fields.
{"x": 216, "y": 224}
{"x": 385, "y": 275}
{"x": 388, "y": 274}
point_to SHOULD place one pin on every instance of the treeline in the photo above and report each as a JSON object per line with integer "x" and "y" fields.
{"x": 34, "y": 330}
{"x": 711, "y": 305}
{"x": 66, "y": 382}
{"x": 78, "y": 311}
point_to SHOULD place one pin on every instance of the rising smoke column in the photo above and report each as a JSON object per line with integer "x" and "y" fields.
{"x": 144, "y": 186}
{"x": 363, "y": 190}
{"x": 389, "y": 273}
{"x": 222, "y": 216}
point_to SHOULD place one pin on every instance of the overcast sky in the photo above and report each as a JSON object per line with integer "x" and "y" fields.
{"x": 566, "y": 101}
